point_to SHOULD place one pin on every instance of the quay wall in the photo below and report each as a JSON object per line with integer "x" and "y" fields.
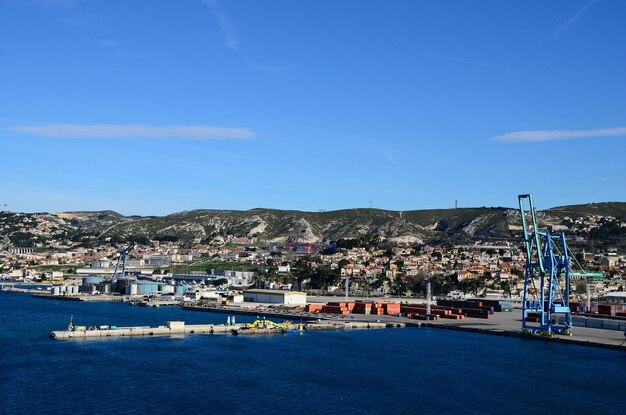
{"x": 147, "y": 331}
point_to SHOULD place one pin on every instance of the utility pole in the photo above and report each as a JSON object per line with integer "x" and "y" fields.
{"x": 428, "y": 295}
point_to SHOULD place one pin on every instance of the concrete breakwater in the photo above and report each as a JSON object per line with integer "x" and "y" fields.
{"x": 172, "y": 327}
{"x": 81, "y": 297}
{"x": 179, "y": 327}
{"x": 8, "y": 288}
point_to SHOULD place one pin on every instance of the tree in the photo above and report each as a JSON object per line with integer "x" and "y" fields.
{"x": 139, "y": 239}
{"x": 506, "y": 287}
{"x": 398, "y": 286}
{"x": 301, "y": 270}
{"x": 323, "y": 277}
{"x": 581, "y": 287}
{"x": 219, "y": 282}
{"x": 22, "y": 239}
{"x": 380, "y": 281}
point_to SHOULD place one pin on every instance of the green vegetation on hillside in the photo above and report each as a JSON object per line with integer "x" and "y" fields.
{"x": 601, "y": 223}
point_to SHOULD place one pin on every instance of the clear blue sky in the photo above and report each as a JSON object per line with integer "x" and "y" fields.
{"x": 153, "y": 107}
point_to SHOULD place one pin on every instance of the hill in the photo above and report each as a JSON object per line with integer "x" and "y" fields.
{"x": 599, "y": 224}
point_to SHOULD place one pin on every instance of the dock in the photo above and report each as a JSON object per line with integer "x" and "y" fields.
{"x": 502, "y": 324}
{"x": 508, "y": 324}
{"x": 155, "y": 303}
{"x": 9, "y": 288}
{"x": 82, "y": 297}
{"x": 171, "y": 328}
{"x": 180, "y": 328}
{"x": 260, "y": 311}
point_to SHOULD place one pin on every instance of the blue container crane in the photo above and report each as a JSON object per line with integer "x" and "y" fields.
{"x": 547, "y": 276}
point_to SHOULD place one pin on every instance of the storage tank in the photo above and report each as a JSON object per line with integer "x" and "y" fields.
{"x": 181, "y": 288}
{"x": 132, "y": 289}
{"x": 147, "y": 287}
{"x": 74, "y": 289}
{"x": 121, "y": 285}
{"x": 92, "y": 279}
{"x": 56, "y": 290}
{"x": 104, "y": 287}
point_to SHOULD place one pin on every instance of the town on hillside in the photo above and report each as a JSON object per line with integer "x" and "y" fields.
{"x": 494, "y": 268}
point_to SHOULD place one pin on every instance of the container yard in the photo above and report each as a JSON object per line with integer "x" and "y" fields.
{"x": 475, "y": 315}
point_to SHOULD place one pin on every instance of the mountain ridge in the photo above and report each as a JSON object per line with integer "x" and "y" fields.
{"x": 601, "y": 224}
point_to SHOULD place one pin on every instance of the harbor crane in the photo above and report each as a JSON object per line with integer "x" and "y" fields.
{"x": 547, "y": 276}
{"x": 122, "y": 259}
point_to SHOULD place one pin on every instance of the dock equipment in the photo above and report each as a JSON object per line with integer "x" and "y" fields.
{"x": 266, "y": 324}
{"x": 547, "y": 277}
{"x": 122, "y": 259}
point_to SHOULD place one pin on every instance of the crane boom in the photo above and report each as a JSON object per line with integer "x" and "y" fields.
{"x": 122, "y": 260}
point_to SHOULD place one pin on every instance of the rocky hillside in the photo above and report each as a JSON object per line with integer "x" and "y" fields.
{"x": 599, "y": 223}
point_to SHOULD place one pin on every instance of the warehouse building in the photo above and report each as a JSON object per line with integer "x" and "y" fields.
{"x": 275, "y": 297}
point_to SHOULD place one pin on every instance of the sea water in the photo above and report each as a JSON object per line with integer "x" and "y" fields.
{"x": 376, "y": 371}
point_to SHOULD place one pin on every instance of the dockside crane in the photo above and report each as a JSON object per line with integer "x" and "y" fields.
{"x": 547, "y": 276}
{"x": 122, "y": 260}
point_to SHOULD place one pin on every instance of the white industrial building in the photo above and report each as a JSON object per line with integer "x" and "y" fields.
{"x": 616, "y": 297}
{"x": 275, "y": 297}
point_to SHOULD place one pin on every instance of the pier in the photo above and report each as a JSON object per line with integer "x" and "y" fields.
{"x": 155, "y": 303}
{"x": 179, "y": 327}
{"x": 171, "y": 328}
{"x": 81, "y": 297}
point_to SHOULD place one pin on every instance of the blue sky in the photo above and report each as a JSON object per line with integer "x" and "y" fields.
{"x": 153, "y": 107}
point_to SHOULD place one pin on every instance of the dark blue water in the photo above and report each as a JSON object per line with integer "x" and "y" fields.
{"x": 369, "y": 371}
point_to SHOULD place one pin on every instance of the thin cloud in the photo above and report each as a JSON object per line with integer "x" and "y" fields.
{"x": 223, "y": 21}
{"x": 189, "y": 132}
{"x": 232, "y": 42}
{"x": 553, "y": 135}
{"x": 451, "y": 58}
{"x": 390, "y": 158}
{"x": 55, "y": 3}
{"x": 609, "y": 179}
{"x": 558, "y": 32}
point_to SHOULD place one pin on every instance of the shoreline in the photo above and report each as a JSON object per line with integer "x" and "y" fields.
{"x": 503, "y": 324}
{"x": 519, "y": 334}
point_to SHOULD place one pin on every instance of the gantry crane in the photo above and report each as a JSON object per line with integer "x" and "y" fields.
{"x": 122, "y": 259}
{"x": 547, "y": 276}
